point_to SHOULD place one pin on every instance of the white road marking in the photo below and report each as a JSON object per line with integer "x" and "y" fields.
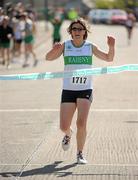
{"x": 56, "y": 110}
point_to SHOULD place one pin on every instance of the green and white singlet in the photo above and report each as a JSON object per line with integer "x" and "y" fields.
{"x": 76, "y": 58}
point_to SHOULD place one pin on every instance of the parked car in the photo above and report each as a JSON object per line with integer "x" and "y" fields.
{"x": 94, "y": 16}
{"x": 107, "y": 16}
{"x": 97, "y": 16}
{"x": 118, "y": 16}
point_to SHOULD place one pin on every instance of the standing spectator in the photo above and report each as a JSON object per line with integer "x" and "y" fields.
{"x": 1, "y": 19}
{"x": 1, "y": 15}
{"x": 17, "y": 28}
{"x": 29, "y": 31}
{"x": 56, "y": 22}
{"x": 130, "y": 23}
{"x": 6, "y": 34}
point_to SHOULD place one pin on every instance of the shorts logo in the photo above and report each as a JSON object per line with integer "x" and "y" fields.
{"x": 89, "y": 97}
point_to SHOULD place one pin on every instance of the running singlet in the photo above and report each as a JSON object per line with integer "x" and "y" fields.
{"x": 76, "y": 58}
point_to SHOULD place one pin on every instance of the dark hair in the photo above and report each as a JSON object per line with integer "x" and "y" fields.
{"x": 81, "y": 22}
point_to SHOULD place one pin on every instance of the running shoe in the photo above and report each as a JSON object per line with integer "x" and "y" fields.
{"x": 3, "y": 62}
{"x": 25, "y": 65}
{"x": 81, "y": 159}
{"x": 66, "y": 142}
{"x": 35, "y": 62}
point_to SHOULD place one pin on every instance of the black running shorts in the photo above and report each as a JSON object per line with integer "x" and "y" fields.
{"x": 72, "y": 96}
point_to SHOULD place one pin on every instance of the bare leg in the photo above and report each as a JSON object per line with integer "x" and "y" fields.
{"x": 83, "y": 106}
{"x": 129, "y": 35}
{"x": 67, "y": 111}
{"x": 8, "y": 56}
{"x": 3, "y": 55}
{"x": 26, "y": 55}
{"x": 33, "y": 53}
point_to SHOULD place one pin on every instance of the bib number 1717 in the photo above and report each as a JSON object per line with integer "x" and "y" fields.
{"x": 79, "y": 80}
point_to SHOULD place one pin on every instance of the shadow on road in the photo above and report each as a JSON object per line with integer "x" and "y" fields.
{"x": 48, "y": 169}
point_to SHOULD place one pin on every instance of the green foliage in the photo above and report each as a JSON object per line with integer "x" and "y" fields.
{"x": 106, "y": 4}
{"x": 120, "y": 4}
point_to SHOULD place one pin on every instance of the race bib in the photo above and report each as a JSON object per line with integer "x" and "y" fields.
{"x": 79, "y": 80}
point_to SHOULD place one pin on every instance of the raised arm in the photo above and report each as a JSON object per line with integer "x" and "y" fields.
{"x": 106, "y": 56}
{"x": 55, "y": 52}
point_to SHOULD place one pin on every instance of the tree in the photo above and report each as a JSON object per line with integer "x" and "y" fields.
{"x": 106, "y": 4}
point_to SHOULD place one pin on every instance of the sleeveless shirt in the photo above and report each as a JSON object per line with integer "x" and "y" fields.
{"x": 77, "y": 58}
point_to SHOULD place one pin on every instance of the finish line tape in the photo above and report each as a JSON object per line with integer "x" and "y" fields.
{"x": 66, "y": 74}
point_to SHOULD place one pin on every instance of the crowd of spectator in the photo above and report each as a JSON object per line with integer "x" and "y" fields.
{"x": 17, "y": 31}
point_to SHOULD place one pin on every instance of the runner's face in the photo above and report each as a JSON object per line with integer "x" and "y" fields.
{"x": 77, "y": 31}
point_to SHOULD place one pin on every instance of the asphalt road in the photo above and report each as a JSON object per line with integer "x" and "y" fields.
{"x": 29, "y": 117}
